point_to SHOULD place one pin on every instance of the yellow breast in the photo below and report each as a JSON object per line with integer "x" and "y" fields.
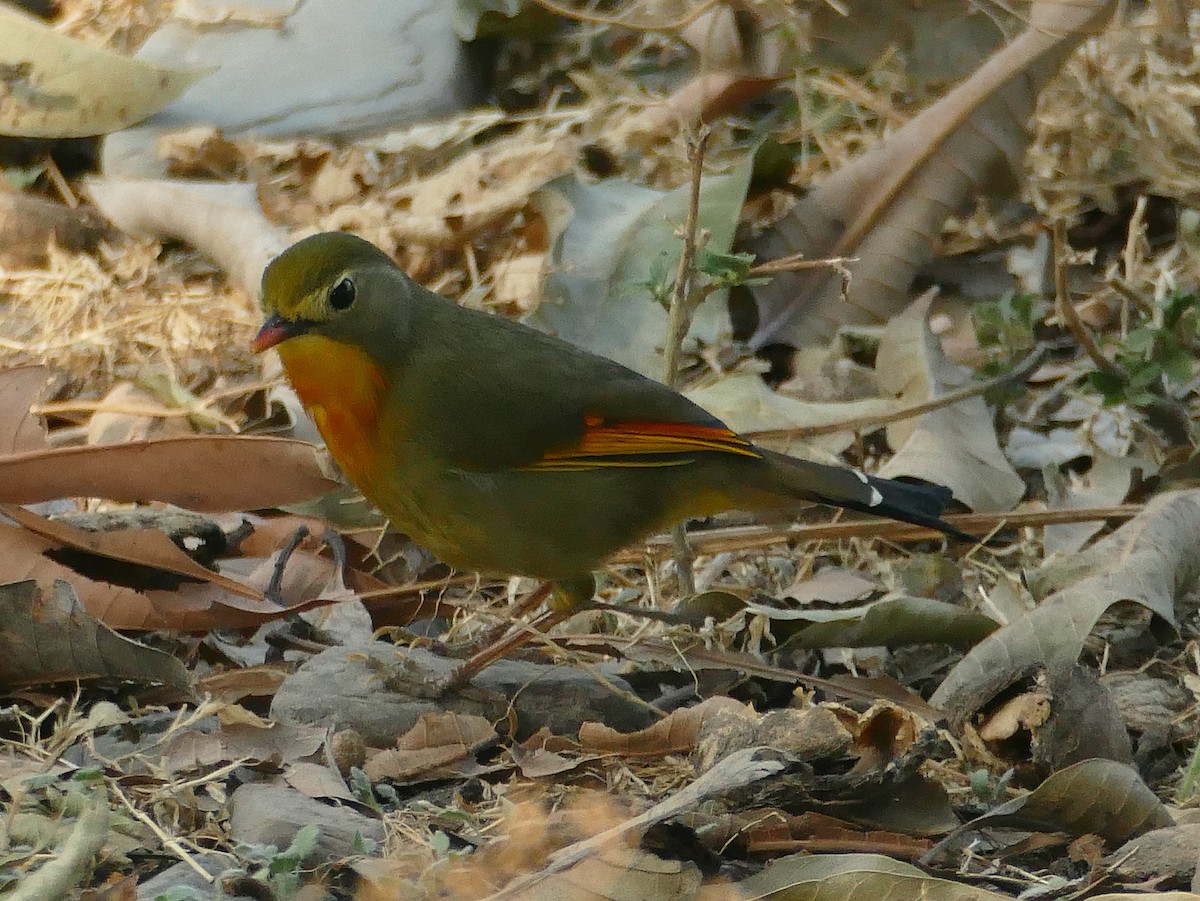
{"x": 343, "y": 391}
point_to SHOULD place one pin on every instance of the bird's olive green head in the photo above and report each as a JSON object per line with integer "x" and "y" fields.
{"x": 334, "y": 285}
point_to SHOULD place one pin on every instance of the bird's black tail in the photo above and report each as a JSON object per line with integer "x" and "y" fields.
{"x": 919, "y": 503}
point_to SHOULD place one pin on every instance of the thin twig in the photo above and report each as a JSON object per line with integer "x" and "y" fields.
{"x": 1066, "y": 309}
{"x": 168, "y": 842}
{"x": 745, "y": 538}
{"x": 679, "y": 319}
{"x": 797, "y": 263}
{"x": 1018, "y": 373}
{"x": 684, "y": 299}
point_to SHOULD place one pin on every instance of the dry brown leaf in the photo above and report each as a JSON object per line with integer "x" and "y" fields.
{"x": 832, "y": 585}
{"x": 50, "y": 637}
{"x": 24, "y": 557}
{"x": 317, "y": 781}
{"x": 436, "y": 741}
{"x": 887, "y": 208}
{"x": 881, "y": 735}
{"x": 145, "y": 547}
{"x": 20, "y": 388}
{"x": 192, "y": 607}
{"x": 540, "y": 763}
{"x": 207, "y": 473}
{"x": 1151, "y": 561}
{"x": 1097, "y": 796}
{"x": 233, "y": 685}
{"x": 308, "y": 581}
{"x": 278, "y": 742}
{"x": 956, "y": 445}
{"x": 1025, "y": 712}
{"x": 674, "y": 734}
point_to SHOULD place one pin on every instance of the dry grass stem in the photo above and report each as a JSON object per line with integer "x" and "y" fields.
{"x": 1018, "y": 373}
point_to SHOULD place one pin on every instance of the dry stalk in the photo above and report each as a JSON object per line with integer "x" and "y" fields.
{"x": 684, "y": 299}
{"x": 170, "y": 843}
{"x": 1018, "y": 373}
{"x": 744, "y": 538}
{"x": 797, "y": 263}
{"x": 1066, "y": 309}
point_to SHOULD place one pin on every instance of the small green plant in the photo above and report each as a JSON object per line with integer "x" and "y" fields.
{"x": 987, "y": 791}
{"x": 1007, "y": 327}
{"x": 722, "y": 270}
{"x": 1008, "y": 324}
{"x": 374, "y": 796}
{"x": 727, "y": 270}
{"x": 280, "y": 869}
{"x": 1155, "y": 356}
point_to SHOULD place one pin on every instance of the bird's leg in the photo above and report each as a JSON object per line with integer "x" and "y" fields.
{"x": 331, "y": 539}
{"x": 274, "y": 589}
{"x": 568, "y": 596}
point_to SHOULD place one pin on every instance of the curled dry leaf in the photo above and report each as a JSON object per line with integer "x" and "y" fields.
{"x": 674, "y": 734}
{"x": 193, "y": 606}
{"x": 1099, "y": 797}
{"x": 208, "y": 473}
{"x": 58, "y": 87}
{"x": 1151, "y": 561}
{"x": 25, "y": 556}
{"x": 50, "y": 637}
{"x": 956, "y": 445}
{"x": 886, "y": 208}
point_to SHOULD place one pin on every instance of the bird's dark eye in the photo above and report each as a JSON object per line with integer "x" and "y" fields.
{"x": 342, "y": 294}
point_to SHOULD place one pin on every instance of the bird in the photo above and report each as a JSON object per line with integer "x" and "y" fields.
{"x": 506, "y": 450}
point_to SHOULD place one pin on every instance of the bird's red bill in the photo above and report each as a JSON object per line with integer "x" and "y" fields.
{"x": 642, "y": 444}
{"x": 273, "y": 331}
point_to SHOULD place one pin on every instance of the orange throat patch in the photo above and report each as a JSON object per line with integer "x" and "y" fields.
{"x": 343, "y": 391}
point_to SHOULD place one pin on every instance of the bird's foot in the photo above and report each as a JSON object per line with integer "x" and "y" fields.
{"x": 330, "y": 539}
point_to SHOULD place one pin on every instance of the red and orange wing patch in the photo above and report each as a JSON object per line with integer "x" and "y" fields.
{"x": 642, "y": 444}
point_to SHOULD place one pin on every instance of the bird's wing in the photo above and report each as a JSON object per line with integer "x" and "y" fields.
{"x": 616, "y": 442}
{"x": 519, "y": 399}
